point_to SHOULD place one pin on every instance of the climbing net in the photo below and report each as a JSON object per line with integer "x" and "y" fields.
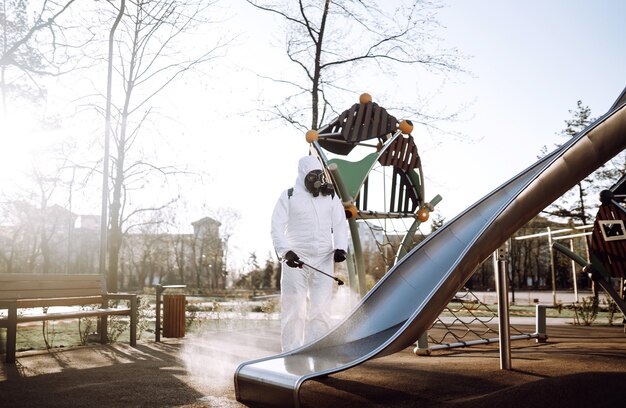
{"x": 466, "y": 320}
{"x": 383, "y": 234}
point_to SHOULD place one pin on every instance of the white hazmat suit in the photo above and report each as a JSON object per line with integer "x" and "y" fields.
{"x": 313, "y": 228}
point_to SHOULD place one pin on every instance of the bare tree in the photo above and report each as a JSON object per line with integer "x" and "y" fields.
{"x": 46, "y": 185}
{"x": 180, "y": 257}
{"x": 228, "y": 218}
{"x": 32, "y": 217}
{"x": 147, "y": 248}
{"x": 20, "y": 239}
{"x": 36, "y": 41}
{"x": 327, "y": 40}
{"x": 151, "y": 54}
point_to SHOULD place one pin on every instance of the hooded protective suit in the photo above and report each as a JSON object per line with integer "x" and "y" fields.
{"x": 312, "y": 227}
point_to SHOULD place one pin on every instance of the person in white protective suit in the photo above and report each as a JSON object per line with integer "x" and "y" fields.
{"x": 308, "y": 228}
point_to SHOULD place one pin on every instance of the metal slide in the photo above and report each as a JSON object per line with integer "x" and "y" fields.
{"x": 405, "y": 302}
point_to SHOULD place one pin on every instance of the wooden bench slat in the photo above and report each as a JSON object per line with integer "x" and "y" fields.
{"x": 67, "y": 315}
{"x": 55, "y": 284}
{"x": 12, "y": 277}
{"x": 48, "y": 293}
{"x": 120, "y": 296}
{"x": 66, "y": 301}
{"x": 71, "y": 301}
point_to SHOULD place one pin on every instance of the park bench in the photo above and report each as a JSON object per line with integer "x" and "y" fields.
{"x": 22, "y": 294}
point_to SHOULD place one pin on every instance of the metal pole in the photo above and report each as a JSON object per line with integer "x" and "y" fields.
{"x": 104, "y": 218}
{"x": 354, "y": 230}
{"x": 571, "y": 247}
{"x": 358, "y": 257}
{"x": 552, "y": 267}
{"x": 541, "y": 329}
{"x": 157, "y": 323}
{"x": 469, "y": 343}
{"x": 422, "y": 348}
{"x": 503, "y": 308}
{"x": 352, "y": 278}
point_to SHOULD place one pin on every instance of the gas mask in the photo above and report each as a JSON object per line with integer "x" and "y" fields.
{"x": 315, "y": 182}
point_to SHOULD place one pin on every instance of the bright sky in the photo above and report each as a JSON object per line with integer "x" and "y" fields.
{"x": 531, "y": 62}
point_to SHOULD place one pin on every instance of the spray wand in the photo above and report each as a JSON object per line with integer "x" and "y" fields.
{"x": 339, "y": 281}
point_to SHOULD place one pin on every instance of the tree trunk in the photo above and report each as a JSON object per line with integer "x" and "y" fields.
{"x": 317, "y": 70}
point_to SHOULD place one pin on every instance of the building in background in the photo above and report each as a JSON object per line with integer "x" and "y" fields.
{"x": 55, "y": 240}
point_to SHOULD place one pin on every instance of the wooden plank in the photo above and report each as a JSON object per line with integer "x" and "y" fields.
{"x": 121, "y": 296}
{"x": 413, "y": 163}
{"x": 20, "y": 285}
{"x": 348, "y": 123}
{"x": 376, "y": 122}
{"x": 66, "y": 301}
{"x": 398, "y": 147}
{"x": 133, "y": 321}
{"x": 358, "y": 122}
{"x": 365, "y": 131}
{"x": 337, "y": 125}
{"x": 47, "y": 277}
{"x": 334, "y": 126}
{"x": 11, "y": 334}
{"x": 49, "y": 293}
{"x": 72, "y": 315}
{"x": 381, "y": 122}
{"x": 405, "y": 154}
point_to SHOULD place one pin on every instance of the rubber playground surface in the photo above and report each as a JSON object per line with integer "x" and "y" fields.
{"x": 578, "y": 366}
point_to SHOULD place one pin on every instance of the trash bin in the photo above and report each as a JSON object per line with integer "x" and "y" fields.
{"x": 174, "y": 316}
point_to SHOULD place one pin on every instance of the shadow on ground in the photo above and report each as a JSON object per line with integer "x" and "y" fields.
{"x": 577, "y": 367}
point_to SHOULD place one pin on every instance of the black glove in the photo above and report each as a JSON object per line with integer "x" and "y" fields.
{"x": 340, "y": 255}
{"x": 293, "y": 260}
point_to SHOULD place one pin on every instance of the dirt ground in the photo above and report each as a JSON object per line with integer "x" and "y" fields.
{"x": 577, "y": 367}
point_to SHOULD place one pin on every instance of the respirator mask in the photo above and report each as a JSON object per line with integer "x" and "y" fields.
{"x": 316, "y": 183}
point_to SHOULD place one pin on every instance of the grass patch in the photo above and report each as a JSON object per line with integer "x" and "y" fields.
{"x": 60, "y": 334}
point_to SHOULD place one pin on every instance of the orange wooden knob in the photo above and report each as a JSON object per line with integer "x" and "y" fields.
{"x": 351, "y": 212}
{"x": 406, "y": 127}
{"x": 365, "y": 98}
{"x": 423, "y": 214}
{"x": 312, "y": 136}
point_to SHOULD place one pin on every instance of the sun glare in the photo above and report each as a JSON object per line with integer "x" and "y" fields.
{"x": 20, "y": 143}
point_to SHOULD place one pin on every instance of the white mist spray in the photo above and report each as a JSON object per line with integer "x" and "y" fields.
{"x": 212, "y": 353}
